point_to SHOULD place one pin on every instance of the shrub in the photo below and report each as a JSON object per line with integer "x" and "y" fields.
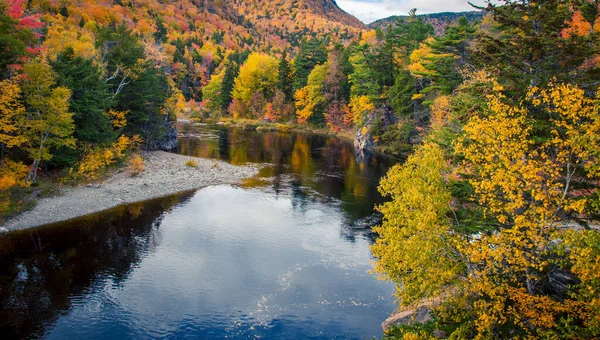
{"x": 282, "y": 127}
{"x": 396, "y": 138}
{"x": 136, "y": 165}
{"x": 97, "y": 159}
{"x": 93, "y": 163}
{"x": 191, "y": 163}
{"x": 12, "y": 182}
{"x": 265, "y": 128}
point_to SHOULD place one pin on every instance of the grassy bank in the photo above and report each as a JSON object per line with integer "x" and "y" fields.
{"x": 261, "y": 125}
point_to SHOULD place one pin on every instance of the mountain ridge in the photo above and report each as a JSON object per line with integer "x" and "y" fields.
{"x": 438, "y": 20}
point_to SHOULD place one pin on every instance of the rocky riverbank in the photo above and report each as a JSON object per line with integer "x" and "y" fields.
{"x": 164, "y": 174}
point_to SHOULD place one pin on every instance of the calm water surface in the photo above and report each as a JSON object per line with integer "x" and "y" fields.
{"x": 284, "y": 256}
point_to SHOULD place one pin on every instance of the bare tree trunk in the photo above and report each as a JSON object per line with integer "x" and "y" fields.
{"x": 32, "y": 175}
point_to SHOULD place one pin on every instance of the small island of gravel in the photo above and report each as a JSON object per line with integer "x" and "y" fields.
{"x": 165, "y": 174}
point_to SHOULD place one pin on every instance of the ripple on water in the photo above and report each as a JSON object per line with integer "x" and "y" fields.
{"x": 225, "y": 262}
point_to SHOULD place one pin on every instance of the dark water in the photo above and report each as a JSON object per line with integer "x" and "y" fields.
{"x": 284, "y": 256}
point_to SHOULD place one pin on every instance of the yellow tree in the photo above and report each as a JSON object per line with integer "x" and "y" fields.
{"x": 211, "y": 93}
{"x": 303, "y": 104}
{"x": 526, "y": 184}
{"x": 258, "y": 74}
{"x": 175, "y": 104}
{"x": 11, "y": 112}
{"x": 11, "y": 115}
{"x": 62, "y": 35}
{"x": 310, "y": 99}
{"x": 416, "y": 247}
{"x": 530, "y": 271}
{"x": 360, "y": 106}
{"x": 48, "y": 122}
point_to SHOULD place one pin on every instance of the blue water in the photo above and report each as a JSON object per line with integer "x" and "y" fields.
{"x": 254, "y": 262}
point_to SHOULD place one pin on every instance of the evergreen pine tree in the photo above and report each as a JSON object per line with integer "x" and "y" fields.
{"x": 311, "y": 53}
{"x": 285, "y": 80}
{"x": 401, "y": 94}
{"x": 531, "y": 49}
{"x": 227, "y": 85}
{"x": 89, "y": 100}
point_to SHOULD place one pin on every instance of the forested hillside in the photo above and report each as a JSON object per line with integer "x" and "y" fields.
{"x": 86, "y": 82}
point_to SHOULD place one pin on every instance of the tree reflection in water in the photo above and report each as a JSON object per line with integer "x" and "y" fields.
{"x": 327, "y": 167}
{"x": 45, "y": 272}
{"x": 42, "y": 269}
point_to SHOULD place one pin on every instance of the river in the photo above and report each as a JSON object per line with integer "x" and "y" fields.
{"x": 285, "y": 255}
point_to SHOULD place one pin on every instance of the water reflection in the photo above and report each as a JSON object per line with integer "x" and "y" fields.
{"x": 42, "y": 269}
{"x": 287, "y": 256}
{"x": 326, "y": 166}
{"x": 224, "y": 262}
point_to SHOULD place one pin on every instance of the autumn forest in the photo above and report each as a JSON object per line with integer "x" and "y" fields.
{"x": 491, "y": 213}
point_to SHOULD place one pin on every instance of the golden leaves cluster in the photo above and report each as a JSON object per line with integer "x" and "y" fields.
{"x": 97, "y": 159}
{"x": 416, "y": 246}
{"x": 523, "y": 180}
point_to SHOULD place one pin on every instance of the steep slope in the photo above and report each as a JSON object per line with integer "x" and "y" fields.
{"x": 233, "y": 25}
{"x": 438, "y": 20}
{"x": 292, "y": 20}
{"x": 191, "y": 38}
{"x": 331, "y": 11}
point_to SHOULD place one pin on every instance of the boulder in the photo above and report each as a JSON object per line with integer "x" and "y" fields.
{"x": 419, "y": 314}
{"x": 168, "y": 141}
{"x": 363, "y": 141}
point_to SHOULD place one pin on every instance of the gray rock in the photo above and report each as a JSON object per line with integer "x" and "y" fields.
{"x": 168, "y": 141}
{"x": 420, "y": 314}
{"x": 363, "y": 142}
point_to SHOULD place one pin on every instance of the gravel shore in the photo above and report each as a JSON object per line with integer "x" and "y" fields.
{"x": 164, "y": 174}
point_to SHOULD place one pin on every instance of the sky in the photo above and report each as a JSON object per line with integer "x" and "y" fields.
{"x": 371, "y": 10}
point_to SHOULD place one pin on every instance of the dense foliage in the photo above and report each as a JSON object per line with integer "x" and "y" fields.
{"x": 75, "y": 97}
{"x": 493, "y": 220}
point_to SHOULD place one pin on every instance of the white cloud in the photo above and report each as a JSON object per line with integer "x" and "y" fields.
{"x": 371, "y": 10}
